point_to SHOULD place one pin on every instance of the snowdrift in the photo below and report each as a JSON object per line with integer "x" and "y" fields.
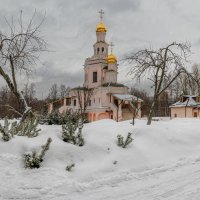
{"x": 162, "y": 146}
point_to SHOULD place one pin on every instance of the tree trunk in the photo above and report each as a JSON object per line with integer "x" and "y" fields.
{"x": 152, "y": 110}
{"x": 133, "y": 122}
{"x": 150, "y": 114}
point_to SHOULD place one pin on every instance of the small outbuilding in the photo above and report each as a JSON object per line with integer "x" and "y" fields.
{"x": 187, "y": 107}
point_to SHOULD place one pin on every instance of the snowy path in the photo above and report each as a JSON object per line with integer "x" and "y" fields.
{"x": 180, "y": 181}
{"x": 172, "y": 182}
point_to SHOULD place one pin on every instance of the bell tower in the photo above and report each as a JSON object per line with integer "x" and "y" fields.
{"x": 101, "y": 47}
{"x": 95, "y": 65}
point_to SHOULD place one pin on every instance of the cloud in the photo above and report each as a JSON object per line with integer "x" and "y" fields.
{"x": 69, "y": 29}
{"x": 47, "y": 75}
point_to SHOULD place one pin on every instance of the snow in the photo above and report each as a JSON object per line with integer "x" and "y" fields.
{"x": 127, "y": 97}
{"x": 189, "y": 102}
{"x": 163, "y": 162}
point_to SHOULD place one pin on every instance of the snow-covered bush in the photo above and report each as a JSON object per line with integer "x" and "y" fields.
{"x": 69, "y": 167}
{"x": 59, "y": 118}
{"x": 72, "y": 132}
{"x": 124, "y": 143}
{"x": 29, "y": 128}
{"x": 52, "y": 118}
{"x": 25, "y": 128}
{"x": 8, "y": 130}
{"x": 33, "y": 159}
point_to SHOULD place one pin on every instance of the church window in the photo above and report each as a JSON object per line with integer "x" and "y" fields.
{"x": 68, "y": 101}
{"x": 102, "y": 49}
{"x": 97, "y": 50}
{"x": 90, "y": 102}
{"x": 94, "y": 77}
{"x": 74, "y": 102}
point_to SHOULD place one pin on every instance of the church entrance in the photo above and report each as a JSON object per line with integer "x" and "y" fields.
{"x": 116, "y": 102}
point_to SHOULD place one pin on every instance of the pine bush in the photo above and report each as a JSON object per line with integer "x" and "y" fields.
{"x": 72, "y": 132}
{"x": 59, "y": 118}
{"x": 26, "y": 128}
{"x": 33, "y": 159}
{"x": 124, "y": 143}
{"x": 8, "y": 130}
{"x": 69, "y": 167}
{"x": 29, "y": 128}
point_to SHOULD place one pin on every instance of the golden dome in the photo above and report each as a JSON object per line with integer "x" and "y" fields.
{"x": 111, "y": 58}
{"x": 101, "y": 27}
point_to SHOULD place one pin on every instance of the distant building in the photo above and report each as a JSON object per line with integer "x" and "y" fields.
{"x": 110, "y": 99}
{"x": 188, "y": 106}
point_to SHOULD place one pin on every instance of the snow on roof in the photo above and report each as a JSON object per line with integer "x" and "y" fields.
{"x": 127, "y": 97}
{"x": 189, "y": 102}
{"x": 190, "y": 96}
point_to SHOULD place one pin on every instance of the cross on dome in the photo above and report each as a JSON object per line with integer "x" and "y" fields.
{"x": 101, "y": 27}
{"x": 101, "y": 14}
{"x": 111, "y": 57}
{"x": 111, "y": 46}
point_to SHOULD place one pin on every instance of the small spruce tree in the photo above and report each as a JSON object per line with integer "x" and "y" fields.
{"x": 33, "y": 159}
{"x": 26, "y": 128}
{"x": 8, "y": 130}
{"x": 72, "y": 132}
{"x": 69, "y": 167}
{"x": 124, "y": 143}
{"x": 29, "y": 128}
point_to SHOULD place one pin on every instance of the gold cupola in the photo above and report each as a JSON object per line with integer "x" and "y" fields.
{"x": 101, "y": 26}
{"x": 111, "y": 57}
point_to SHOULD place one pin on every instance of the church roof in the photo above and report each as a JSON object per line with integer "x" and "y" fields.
{"x": 189, "y": 102}
{"x": 127, "y": 97}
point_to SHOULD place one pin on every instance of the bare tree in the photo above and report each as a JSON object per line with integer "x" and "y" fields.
{"x": 19, "y": 50}
{"x": 137, "y": 104}
{"x": 9, "y": 106}
{"x": 53, "y": 93}
{"x": 84, "y": 95}
{"x": 63, "y": 91}
{"x": 196, "y": 75}
{"x": 186, "y": 84}
{"x": 145, "y": 108}
{"x": 161, "y": 66}
{"x": 29, "y": 92}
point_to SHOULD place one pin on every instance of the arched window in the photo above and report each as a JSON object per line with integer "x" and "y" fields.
{"x": 102, "y": 49}
{"x": 98, "y": 50}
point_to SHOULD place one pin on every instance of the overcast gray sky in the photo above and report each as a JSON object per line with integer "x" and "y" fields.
{"x": 70, "y": 25}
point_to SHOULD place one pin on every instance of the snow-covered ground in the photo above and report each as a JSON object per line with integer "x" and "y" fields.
{"x": 163, "y": 162}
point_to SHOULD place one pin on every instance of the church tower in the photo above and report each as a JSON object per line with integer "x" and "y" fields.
{"x": 95, "y": 65}
{"x": 101, "y": 47}
{"x": 101, "y": 68}
{"x": 111, "y": 70}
